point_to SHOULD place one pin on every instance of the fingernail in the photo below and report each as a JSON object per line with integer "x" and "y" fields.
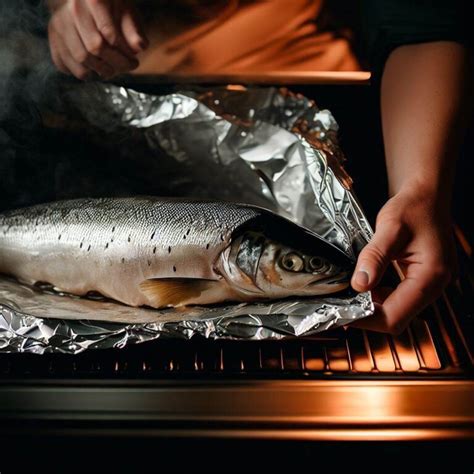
{"x": 362, "y": 278}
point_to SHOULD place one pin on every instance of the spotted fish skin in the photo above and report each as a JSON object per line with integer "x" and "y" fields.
{"x": 111, "y": 245}
{"x": 168, "y": 252}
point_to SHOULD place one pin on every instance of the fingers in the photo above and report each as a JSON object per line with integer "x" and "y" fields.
{"x": 410, "y": 231}
{"x": 422, "y": 286}
{"x": 82, "y": 57}
{"x": 84, "y": 38}
{"x": 132, "y": 31}
{"x": 412, "y": 295}
{"x": 389, "y": 238}
{"x": 71, "y": 66}
{"x": 97, "y": 44}
{"x": 107, "y": 23}
{"x": 116, "y": 59}
{"x": 101, "y": 12}
{"x": 377, "y": 322}
{"x": 55, "y": 55}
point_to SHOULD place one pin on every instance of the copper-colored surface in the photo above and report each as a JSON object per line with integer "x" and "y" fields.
{"x": 308, "y": 410}
{"x": 457, "y": 326}
{"x": 412, "y": 434}
{"x": 426, "y": 352}
{"x": 274, "y": 77}
{"x": 463, "y": 241}
{"x": 406, "y": 352}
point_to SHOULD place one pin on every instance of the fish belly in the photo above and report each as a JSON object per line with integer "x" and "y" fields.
{"x": 113, "y": 246}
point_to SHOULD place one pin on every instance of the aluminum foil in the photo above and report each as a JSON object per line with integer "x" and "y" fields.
{"x": 261, "y": 146}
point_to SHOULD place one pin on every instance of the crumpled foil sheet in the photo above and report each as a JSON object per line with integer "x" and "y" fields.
{"x": 262, "y": 146}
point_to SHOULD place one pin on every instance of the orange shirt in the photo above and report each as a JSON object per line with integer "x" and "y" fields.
{"x": 247, "y": 37}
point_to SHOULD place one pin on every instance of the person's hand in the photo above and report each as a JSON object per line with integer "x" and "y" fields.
{"x": 414, "y": 229}
{"x": 94, "y": 36}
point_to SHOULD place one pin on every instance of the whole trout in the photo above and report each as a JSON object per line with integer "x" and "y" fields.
{"x": 168, "y": 252}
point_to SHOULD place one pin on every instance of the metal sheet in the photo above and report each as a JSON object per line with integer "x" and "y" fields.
{"x": 263, "y": 146}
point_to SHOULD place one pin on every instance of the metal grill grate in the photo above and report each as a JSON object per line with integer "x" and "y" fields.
{"x": 430, "y": 347}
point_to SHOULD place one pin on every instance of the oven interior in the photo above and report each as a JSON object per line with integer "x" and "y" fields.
{"x": 271, "y": 403}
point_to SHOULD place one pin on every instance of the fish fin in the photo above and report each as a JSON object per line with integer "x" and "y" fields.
{"x": 174, "y": 291}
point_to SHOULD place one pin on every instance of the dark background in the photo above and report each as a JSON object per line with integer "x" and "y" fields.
{"x": 106, "y": 454}
{"x": 39, "y": 163}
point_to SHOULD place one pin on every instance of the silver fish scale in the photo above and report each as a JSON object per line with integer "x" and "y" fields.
{"x": 170, "y": 218}
{"x": 111, "y": 245}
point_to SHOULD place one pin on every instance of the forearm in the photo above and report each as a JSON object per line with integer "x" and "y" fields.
{"x": 423, "y": 101}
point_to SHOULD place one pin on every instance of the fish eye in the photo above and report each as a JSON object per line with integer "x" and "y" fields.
{"x": 292, "y": 262}
{"x": 316, "y": 263}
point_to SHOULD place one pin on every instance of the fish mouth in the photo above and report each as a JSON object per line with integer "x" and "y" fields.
{"x": 331, "y": 280}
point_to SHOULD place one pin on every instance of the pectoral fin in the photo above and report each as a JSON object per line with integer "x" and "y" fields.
{"x": 163, "y": 292}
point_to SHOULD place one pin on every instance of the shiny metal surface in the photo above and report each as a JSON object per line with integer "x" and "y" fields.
{"x": 261, "y": 146}
{"x": 342, "y": 410}
{"x": 418, "y": 352}
{"x": 27, "y": 324}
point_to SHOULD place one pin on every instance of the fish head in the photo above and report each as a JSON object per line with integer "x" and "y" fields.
{"x": 286, "y": 271}
{"x": 288, "y": 262}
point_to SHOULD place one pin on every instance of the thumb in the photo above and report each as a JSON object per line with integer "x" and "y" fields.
{"x": 388, "y": 240}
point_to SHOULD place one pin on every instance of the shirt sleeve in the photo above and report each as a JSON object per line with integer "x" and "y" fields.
{"x": 387, "y": 24}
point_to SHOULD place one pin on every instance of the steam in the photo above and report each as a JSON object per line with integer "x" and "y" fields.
{"x": 26, "y": 74}
{"x": 25, "y": 65}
